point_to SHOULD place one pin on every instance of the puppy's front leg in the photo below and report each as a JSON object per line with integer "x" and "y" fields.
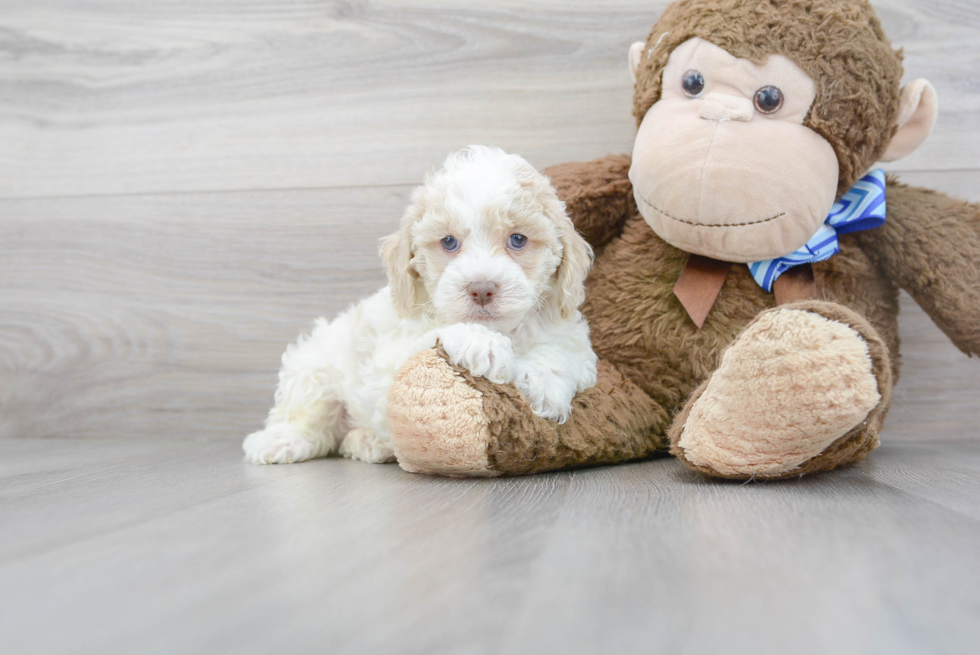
{"x": 480, "y": 350}
{"x": 549, "y": 376}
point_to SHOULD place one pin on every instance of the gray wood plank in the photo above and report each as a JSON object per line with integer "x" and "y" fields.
{"x": 167, "y": 315}
{"x": 163, "y": 546}
{"x": 187, "y": 95}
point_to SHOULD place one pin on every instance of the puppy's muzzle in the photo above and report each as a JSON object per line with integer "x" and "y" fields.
{"x": 482, "y": 293}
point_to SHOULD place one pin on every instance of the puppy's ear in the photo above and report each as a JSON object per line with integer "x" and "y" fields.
{"x": 576, "y": 260}
{"x": 396, "y": 252}
{"x": 576, "y": 257}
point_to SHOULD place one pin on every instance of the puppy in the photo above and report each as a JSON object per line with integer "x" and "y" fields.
{"x": 487, "y": 263}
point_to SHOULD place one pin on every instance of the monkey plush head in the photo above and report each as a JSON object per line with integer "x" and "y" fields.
{"x": 755, "y": 117}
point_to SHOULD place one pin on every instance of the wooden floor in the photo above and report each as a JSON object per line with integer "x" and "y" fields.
{"x": 186, "y": 184}
{"x": 167, "y": 546}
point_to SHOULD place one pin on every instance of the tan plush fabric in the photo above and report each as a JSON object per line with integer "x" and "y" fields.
{"x": 703, "y": 168}
{"x": 730, "y": 212}
{"x": 850, "y": 447}
{"x": 791, "y": 384}
{"x": 437, "y": 420}
{"x": 917, "y": 113}
{"x": 840, "y": 45}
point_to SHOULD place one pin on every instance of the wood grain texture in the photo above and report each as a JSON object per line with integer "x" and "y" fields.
{"x": 124, "y": 546}
{"x": 109, "y": 96}
{"x": 168, "y": 314}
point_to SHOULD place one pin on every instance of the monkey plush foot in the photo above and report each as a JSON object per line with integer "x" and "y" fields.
{"x": 437, "y": 420}
{"x": 445, "y": 421}
{"x": 803, "y": 388}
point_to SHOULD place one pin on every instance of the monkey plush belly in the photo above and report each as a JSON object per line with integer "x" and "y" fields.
{"x": 638, "y": 324}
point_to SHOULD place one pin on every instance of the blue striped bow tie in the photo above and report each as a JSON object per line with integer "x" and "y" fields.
{"x": 861, "y": 208}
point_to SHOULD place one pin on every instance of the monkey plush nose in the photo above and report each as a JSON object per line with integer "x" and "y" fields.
{"x": 723, "y": 107}
{"x": 482, "y": 292}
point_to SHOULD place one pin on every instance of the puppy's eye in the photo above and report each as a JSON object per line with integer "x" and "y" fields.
{"x": 450, "y": 244}
{"x": 517, "y": 241}
{"x": 693, "y": 84}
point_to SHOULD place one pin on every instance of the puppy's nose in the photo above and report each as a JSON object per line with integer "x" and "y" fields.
{"x": 482, "y": 292}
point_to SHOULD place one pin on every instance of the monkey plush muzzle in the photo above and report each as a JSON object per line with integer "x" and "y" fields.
{"x": 717, "y": 175}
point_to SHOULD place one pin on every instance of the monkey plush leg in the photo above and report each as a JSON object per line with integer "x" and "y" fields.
{"x": 803, "y": 388}
{"x": 444, "y": 421}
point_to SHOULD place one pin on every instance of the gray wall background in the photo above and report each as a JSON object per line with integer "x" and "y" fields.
{"x": 185, "y": 185}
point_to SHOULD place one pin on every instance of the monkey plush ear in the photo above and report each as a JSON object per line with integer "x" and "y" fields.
{"x": 917, "y": 111}
{"x": 636, "y": 51}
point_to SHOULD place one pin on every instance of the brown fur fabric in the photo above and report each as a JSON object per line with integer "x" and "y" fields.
{"x": 929, "y": 247}
{"x": 598, "y": 193}
{"x": 638, "y": 324}
{"x": 839, "y": 44}
{"x": 611, "y": 422}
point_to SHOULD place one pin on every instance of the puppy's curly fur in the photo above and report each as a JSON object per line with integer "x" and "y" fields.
{"x": 487, "y": 262}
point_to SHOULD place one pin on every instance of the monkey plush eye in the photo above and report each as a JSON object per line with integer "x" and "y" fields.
{"x": 517, "y": 241}
{"x": 693, "y": 83}
{"x": 768, "y": 99}
{"x": 450, "y": 244}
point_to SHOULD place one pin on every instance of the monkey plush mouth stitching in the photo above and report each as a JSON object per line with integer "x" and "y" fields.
{"x": 681, "y": 220}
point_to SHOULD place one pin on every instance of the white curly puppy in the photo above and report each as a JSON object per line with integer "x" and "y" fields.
{"x": 486, "y": 261}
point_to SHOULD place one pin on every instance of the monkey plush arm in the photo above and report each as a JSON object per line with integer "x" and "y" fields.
{"x": 930, "y": 246}
{"x": 598, "y": 195}
{"x": 446, "y": 421}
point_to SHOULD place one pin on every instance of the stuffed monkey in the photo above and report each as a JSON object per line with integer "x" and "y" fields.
{"x": 744, "y": 296}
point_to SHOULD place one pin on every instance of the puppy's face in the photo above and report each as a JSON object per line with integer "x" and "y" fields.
{"x": 489, "y": 242}
{"x": 481, "y": 260}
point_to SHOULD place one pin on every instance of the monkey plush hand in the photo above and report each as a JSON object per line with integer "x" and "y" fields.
{"x": 744, "y": 297}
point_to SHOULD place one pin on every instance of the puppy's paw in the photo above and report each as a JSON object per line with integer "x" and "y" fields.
{"x": 480, "y": 350}
{"x": 549, "y": 394}
{"x": 367, "y": 446}
{"x": 277, "y": 444}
